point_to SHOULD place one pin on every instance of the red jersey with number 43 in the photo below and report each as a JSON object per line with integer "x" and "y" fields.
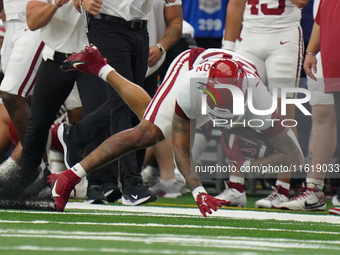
{"x": 269, "y": 15}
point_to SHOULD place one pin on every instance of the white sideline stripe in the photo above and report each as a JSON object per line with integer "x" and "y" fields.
{"x": 235, "y": 214}
{"x": 246, "y": 243}
{"x": 165, "y": 215}
{"x": 170, "y": 226}
{"x": 114, "y": 250}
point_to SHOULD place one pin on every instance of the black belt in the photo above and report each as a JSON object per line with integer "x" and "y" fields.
{"x": 117, "y": 20}
{"x": 60, "y": 56}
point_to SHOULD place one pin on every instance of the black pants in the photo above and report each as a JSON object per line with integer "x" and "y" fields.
{"x": 127, "y": 50}
{"x": 51, "y": 89}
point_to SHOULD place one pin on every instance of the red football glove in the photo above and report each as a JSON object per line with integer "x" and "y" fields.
{"x": 234, "y": 154}
{"x": 206, "y": 202}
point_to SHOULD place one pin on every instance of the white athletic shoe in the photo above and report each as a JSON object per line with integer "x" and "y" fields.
{"x": 336, "y": 200}
{"x": 150, "y": 175}
{"x": 236, "y": 198}
{"x": 334, "y": 210}
{"x": 169, "y": 189}
{"x": 274, "y": 200}
{"x": 308, "y": 200}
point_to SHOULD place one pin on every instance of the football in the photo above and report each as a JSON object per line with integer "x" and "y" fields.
{"x": 253, "y": 144}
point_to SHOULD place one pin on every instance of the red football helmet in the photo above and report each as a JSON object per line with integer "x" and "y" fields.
{"x": 220, "y": 100}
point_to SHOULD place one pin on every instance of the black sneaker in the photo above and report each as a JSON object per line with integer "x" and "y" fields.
{"x": 72, "y": 154}
{"x": 25, "y": 186}
{"x": 137, "y": 195}
{"x": 111, "y": 191}
{"x": 95, "y": 195}
{"x": 40, "y": 187}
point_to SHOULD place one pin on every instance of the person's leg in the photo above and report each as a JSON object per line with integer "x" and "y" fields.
{"x": 20, "y": 73}
{"x": 283, "y": 65}
{"x": 5, "y": 141}
{"x": 322, "y": 142}
{"x": 102, "y": 184}
{"x": 144, "y": 135}
{"x": 51, "y": 90}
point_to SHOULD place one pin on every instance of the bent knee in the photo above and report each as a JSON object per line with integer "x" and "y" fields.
{"x": 8, "y": 98}
{"x": 148, "y": 133}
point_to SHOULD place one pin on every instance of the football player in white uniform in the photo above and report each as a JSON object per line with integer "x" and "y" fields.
{"x": 271, "y": 38}
{"x": 174, "y": 111}
{"x": 20, "y": 59}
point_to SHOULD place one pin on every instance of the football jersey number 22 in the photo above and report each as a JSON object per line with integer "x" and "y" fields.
{"x": 264, "y": 8}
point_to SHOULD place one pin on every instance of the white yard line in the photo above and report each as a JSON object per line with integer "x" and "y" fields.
{"x": 235, "y": 214}
{"x": 177, "y": 241}
{"x": 118, "y": 250}
{"x": 157, "y": 225}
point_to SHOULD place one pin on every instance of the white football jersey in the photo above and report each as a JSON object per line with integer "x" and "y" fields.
{"x": 268, "y": 15}
{"x": 127, "y": 9}
{"x": 189, "y": 97}
{"x": 15, "y": 9}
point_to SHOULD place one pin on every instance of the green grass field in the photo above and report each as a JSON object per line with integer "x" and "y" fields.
{"x": 168, "y": 226}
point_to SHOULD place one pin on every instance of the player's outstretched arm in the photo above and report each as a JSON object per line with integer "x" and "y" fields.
{"x": 90, "y": 60}
{"x": 181, "y": 149}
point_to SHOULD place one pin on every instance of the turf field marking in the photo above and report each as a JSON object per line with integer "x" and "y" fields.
{"x": 236, "y": 214}
{"x": 114, "y": 250}
{"x": 247, "y": 243}
{"x": 165, "y": 215}
{"x": 178, "y": 237}
{"x": 170, "y": 226}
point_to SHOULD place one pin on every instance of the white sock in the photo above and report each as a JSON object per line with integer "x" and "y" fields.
{"x": 105, "y": 71}
{"x": 236, "y": 179}
{"x": 284, "y": 185}
{"x": 168, "y": 183}
{"x": 78, "y": 170}
{"x": 9, "y": 164}
{"x": 315, "y": 183}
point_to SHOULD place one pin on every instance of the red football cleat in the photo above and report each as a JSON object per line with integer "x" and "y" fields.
{"x": 89, "y": 60}
{"x": 62, "y": 184}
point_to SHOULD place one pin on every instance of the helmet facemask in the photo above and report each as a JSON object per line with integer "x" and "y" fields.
{"x": 220, "y": 100}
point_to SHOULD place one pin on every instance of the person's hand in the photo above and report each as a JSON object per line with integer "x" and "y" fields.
{"x": 234, "y": 154}
{"x": 76, "y": 4}
{"x": 154, "y": 56}
{"x": 92, "y": 6}
{"x": 310, "y": 66}
{"x": 206, "y": 202}
{"x": 61, "y": 2}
